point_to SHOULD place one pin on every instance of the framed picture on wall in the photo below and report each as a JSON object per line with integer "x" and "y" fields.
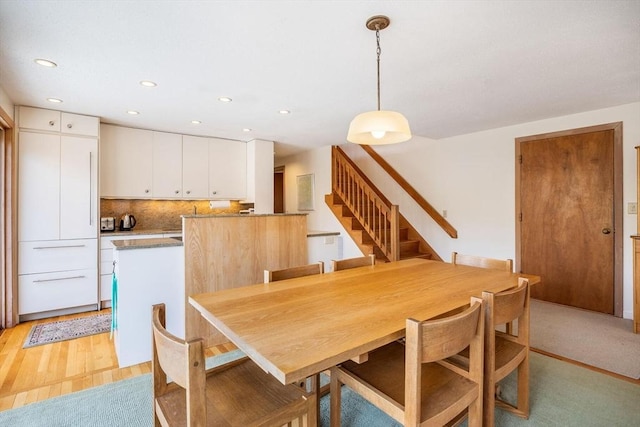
{"x": 305, "y": 192}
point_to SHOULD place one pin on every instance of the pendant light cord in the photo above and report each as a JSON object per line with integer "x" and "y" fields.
{"x": 378, "y": 51}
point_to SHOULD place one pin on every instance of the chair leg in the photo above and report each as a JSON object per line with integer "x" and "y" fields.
{"x": 335, "y": 390}
{"x": 475, "y": 413}
{"x": 488, "y": 400}
{"x": 523, "y": 388}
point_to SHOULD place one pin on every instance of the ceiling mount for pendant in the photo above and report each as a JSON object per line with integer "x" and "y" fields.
{"x": 378, "y": 22}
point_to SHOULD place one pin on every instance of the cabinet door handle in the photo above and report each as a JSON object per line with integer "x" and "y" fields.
{"x": 146, "y": 191}
{"x": 90, "y": 186}
{"x": 214, "y": 192}
{"x": 59, "y": 247}
{"x": 52, "y": 123}
{"x": 69, "y": 125}
{"x": 177, "y": 191}
{"x": 188, "y": 191}
{"x": 59, "y": 278}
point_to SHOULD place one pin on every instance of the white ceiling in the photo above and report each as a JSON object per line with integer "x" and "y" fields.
{"x": 451, "y": 67}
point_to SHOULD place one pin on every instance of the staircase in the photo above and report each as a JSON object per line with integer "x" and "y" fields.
{"x": 369, "y": 217}
{"x": 411, "y": 245}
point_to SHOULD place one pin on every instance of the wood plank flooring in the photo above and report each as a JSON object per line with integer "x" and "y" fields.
{"x": 38, "y": 373}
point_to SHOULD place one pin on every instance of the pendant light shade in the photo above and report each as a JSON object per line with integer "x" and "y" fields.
{"x": 378, "y": 127}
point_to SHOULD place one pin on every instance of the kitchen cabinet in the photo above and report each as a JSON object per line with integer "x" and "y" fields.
{"x": 39, "y": 189}
{"x": 57, "y": 212}
{"x": 58, "y": 191}
{"x": 142, "y": 164}
{"x": 78, "y": 187}
{"x": 56, "y": 121}
{"x": 227, "y": 169}
{"x": 126, "y": 162}
{"x": 195, "y": 167}
{"x": 167, "y": 165}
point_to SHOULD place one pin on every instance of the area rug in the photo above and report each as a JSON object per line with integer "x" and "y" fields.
{"x": 46, "y": 333}
{"x": 562, "y": 394}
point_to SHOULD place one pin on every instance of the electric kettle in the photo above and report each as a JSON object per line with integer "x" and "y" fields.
{"x": 127, "y": 222}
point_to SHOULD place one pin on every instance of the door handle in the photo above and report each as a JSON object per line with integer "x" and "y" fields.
{"x": 606, "y": 230}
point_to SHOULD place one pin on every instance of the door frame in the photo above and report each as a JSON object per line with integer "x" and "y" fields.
{"x": 618, "y": 208}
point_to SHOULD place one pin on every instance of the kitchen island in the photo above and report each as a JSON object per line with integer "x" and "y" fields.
{"x": 148, "y": 271}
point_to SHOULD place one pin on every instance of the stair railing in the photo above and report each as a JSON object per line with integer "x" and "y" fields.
{"x": 375, "y": 212}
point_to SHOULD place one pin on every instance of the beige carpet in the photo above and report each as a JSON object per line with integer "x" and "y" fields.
{"x": 596, "y": 339}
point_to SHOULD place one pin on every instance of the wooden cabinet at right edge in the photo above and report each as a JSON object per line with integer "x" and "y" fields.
{"x": 636, "y": 258}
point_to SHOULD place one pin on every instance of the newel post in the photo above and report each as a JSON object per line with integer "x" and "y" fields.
{"x": 395, "y": 233}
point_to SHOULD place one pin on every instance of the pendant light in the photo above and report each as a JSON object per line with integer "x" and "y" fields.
{"x": 380, "y": 126}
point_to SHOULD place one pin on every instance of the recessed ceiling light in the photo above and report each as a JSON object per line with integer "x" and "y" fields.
{"x": 46, "y": 63}
{"x": 224, "y": 99}
{"x": 196, "y": 122}
{"x": 148, "y": 83}
{"x": 246, "y": 130}
{"x": 284, "y": 111}
{"x": 133, "y": 112}
{"x": 54, "y": 100}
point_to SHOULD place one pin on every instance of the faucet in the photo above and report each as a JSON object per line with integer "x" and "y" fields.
{"x": 195, "y": 210}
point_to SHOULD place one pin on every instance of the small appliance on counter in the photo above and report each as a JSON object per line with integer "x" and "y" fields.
{"x": 127, "y": 222}
{"x": 107, "y": 223}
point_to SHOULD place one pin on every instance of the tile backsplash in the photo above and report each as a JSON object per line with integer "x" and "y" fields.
{"x": 162, "y": 214}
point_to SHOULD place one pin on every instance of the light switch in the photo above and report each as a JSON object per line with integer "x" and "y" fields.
{"x": 632, "y": 208}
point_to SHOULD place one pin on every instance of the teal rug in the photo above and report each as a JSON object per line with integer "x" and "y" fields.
{"x": 561, "y": 395}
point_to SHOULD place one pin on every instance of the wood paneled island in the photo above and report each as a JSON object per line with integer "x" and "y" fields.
{"x": 230, "y": 251}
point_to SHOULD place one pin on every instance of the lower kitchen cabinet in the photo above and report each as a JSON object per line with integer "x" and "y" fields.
{"x": 57, "y": 290}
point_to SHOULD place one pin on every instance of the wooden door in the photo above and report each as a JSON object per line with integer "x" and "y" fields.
{"x": 567, "y": 196}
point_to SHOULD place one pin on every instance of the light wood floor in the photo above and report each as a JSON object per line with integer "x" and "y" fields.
{"x": 38, "y": 373}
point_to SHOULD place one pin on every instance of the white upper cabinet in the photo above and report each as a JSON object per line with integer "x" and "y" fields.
{"x": 56, "y": 121}
{"x": 126, "y": 162}
{"x": 167, "y": 165}
{"x": 78, "y": 187}
{"x": 39, "y": 188}
{"x": 143, "y": 164}
{"x": 227, "y": 169}
{"x": 75, "y": 124}
{"x": 39, "y": 119}
{"x": 195, "y": 167}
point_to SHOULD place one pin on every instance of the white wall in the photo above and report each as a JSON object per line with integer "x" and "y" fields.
{"x": 472, "y": 177}
{"x": 317, "y": 162}
{"x": 6, "y": 103}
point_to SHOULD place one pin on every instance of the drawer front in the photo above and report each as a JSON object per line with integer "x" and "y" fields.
{"x": 76, "y": 124}
{"x": 54, "y": 291}
{"x": 57, "y": 255}
{"x": 37, "y": 118}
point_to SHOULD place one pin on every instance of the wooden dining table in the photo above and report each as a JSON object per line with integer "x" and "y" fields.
{"x": 299, "y": 327}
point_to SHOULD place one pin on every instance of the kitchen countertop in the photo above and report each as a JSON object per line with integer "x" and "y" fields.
{"x": 161, "y": 242}
{"x": 137, "y": 231}
{"x": 317, "y": 233}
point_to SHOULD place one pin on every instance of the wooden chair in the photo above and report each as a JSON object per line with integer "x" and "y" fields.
{"x": 344, "y": 264}
{"x": 482, "y": 262}
{"x": 425, "y": 389}
{"x": 290, "y": 273}
{"x": 506, "y": 351}
{"x": 238, "y": 393}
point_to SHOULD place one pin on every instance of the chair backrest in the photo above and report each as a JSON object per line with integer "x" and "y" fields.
{"x": 181, "y": 361}
{"x": 362, "y": 261}
{"x": 436, "y": 340}
{"x": 482, "y": 262}
{"x": 290, "y": 273}
{"x": 507, "y": 306}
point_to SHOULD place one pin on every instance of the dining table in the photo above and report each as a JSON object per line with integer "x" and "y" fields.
{"x": 299, "y": 327}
